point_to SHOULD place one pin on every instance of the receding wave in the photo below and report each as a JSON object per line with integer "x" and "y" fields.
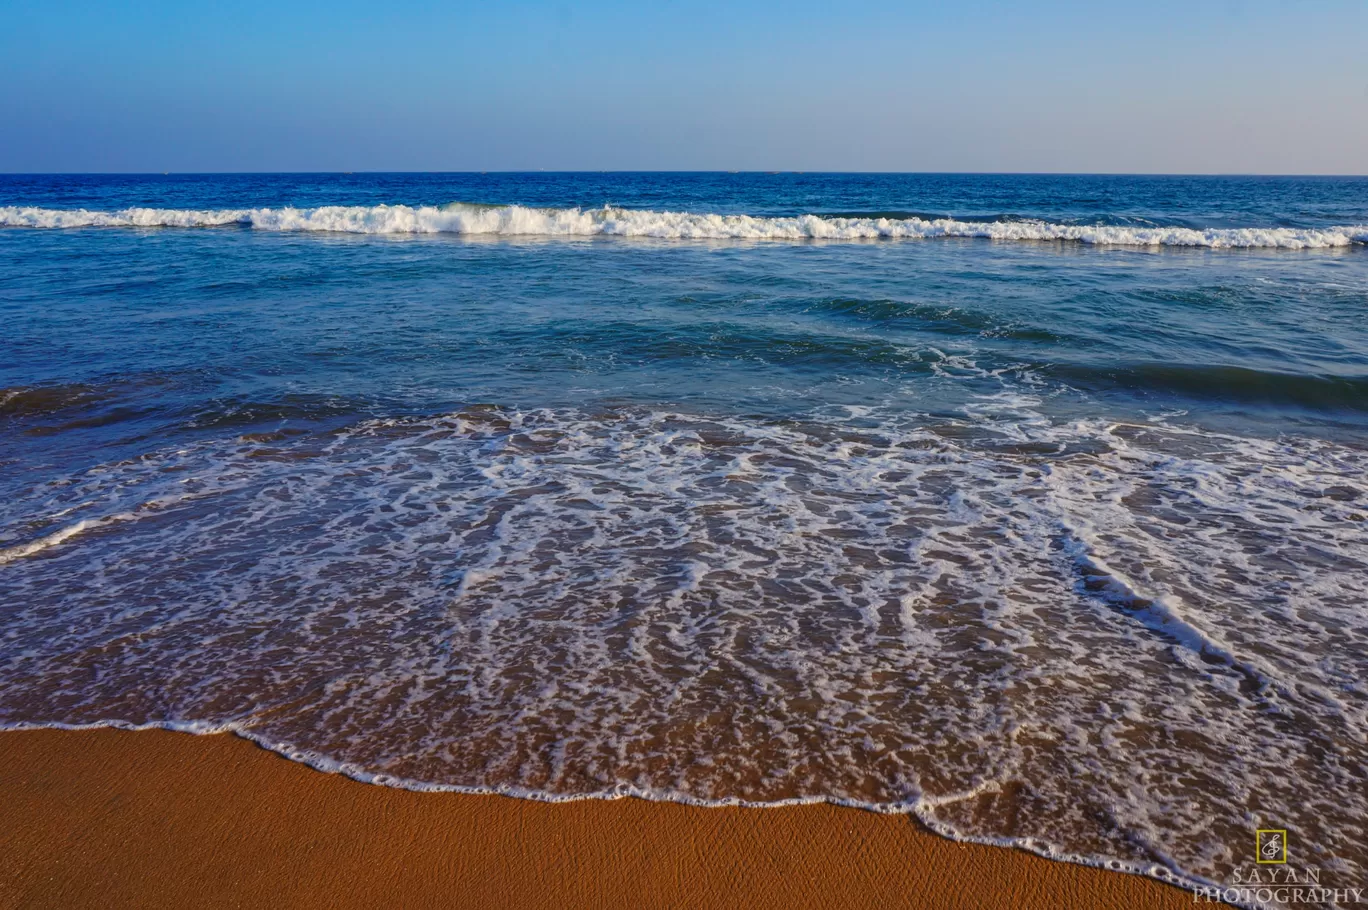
{"x": 516, "y": 220}
{"x": 1012, "y": 628}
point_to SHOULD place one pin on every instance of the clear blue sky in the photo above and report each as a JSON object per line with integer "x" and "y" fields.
{"x": 1224, "y": 86}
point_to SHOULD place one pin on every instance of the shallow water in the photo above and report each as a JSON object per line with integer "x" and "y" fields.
{"x": 1059, "y": 541}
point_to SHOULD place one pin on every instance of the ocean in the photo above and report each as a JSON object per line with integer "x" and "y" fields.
{"x": 1034, "y": 506}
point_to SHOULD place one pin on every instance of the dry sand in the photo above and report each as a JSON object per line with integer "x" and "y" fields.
{"x": 106, "y": 818}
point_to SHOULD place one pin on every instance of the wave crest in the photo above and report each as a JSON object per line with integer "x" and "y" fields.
{"x": 516, "y": 220}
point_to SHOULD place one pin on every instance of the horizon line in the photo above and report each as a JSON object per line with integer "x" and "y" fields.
{"x": 738, "y": 172}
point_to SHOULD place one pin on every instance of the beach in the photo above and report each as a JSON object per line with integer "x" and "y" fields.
{"x": 1025, "y": 508}
{"x": 114, "y": 818}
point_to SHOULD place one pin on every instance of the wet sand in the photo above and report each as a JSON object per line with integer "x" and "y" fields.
{"x": 106, "y": 818}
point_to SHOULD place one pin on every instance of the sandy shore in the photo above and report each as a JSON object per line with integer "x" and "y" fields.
{"x": 115, "y": 819}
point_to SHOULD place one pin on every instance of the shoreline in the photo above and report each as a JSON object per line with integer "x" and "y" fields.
{"x": 109, "y": 817}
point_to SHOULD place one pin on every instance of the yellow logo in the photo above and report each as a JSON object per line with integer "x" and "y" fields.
{"x": 1271, "y": 846}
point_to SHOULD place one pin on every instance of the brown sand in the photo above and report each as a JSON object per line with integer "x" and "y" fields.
{"x": 115, "y": 819}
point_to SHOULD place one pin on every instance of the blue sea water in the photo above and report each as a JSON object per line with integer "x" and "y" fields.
{"x": 1033, "y": 505}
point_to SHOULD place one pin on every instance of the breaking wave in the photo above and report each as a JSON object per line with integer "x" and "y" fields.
{"x": 516, "y": 220}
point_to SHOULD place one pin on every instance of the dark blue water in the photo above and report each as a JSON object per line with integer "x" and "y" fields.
{"x": 157, "y": 331}
{"x": 969, "y": 496}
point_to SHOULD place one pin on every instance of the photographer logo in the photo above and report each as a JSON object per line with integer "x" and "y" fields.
{"x": 1272, "y": 846}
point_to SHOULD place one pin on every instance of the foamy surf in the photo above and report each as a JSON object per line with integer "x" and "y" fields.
{"x": 966, "y": 621}
{"x": 19, "y": 551}
{"x": 521, "y": 221}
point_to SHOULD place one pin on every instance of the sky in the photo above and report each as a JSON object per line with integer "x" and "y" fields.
{"x": 1226, "y": 86}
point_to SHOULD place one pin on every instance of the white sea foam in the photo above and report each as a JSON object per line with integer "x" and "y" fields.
{"x": 19, "y": 551}
{"x": 1096, "y": 640}
{"x": 514, "y": 220}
